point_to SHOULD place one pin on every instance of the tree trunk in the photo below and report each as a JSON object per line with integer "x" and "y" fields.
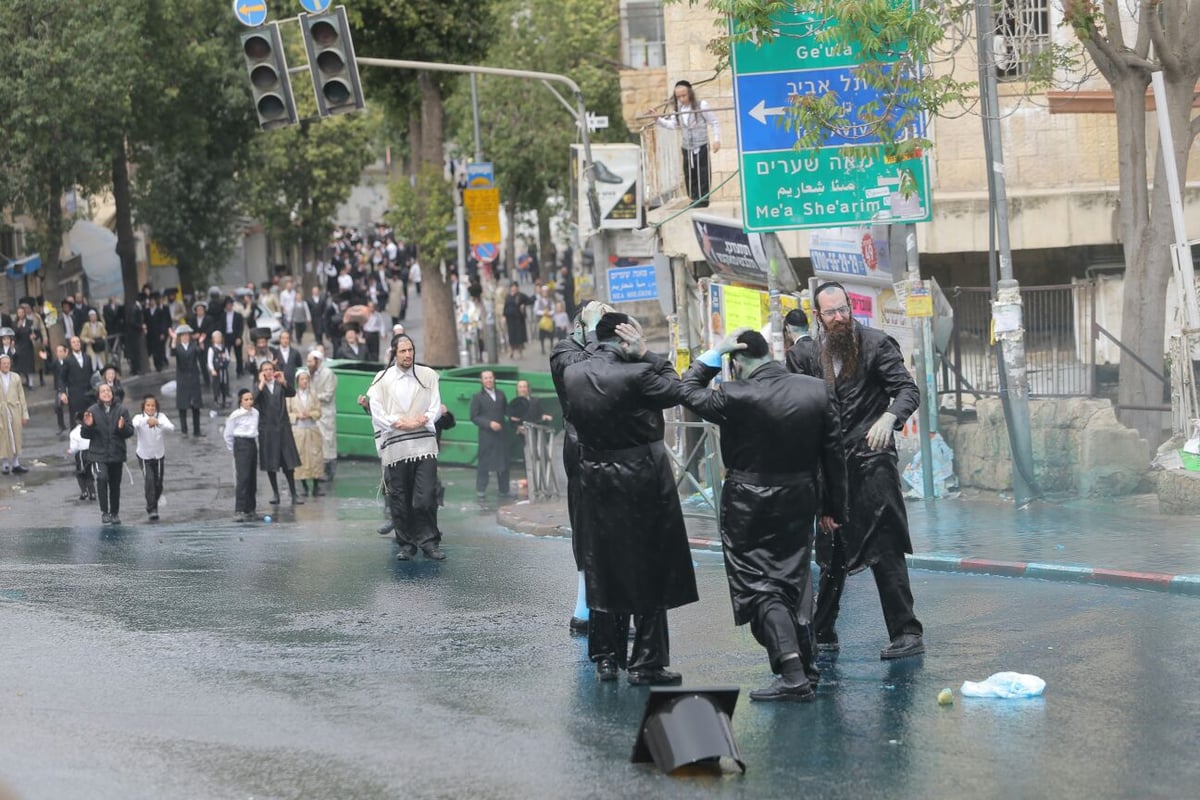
{"x": 510, "y": 244}
{"x": 414, "y": 143}
{"x": 437, "y": 306}
{"x": 53, "y": 238}
{"x": 432, "y": 137}
{"x": 126, "y": 244}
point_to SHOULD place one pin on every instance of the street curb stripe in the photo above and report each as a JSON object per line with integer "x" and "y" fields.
{"x": 992, "y": 567}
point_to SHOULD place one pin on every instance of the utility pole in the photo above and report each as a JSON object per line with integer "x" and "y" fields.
{"x": 1007, "y": 309}
{"x": 922, "y": 357}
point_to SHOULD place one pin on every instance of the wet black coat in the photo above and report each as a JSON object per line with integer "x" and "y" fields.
{"x": 106, "y": 436}
{"x": 493, "y": 445}
{"x": 781, "y": 444}
{"x": 565, "y": 353}
{"x": 635, "y": 552}
{"x": 188, "y": 363}
{"x": 276, "y": 444}
{"x": 78, "y": 380}
{"x": 878, "y": 521}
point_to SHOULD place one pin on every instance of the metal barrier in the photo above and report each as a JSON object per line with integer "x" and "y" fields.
{"x": 539, "y": 461}
{"x": 1060, "y": 342}
{"x": 695, "y": 451}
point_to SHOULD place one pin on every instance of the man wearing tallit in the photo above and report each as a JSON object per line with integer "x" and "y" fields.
{"x": 324, "y": 383}
{"x": 405, "y": 404}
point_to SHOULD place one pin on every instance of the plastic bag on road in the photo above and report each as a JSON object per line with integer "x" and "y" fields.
{"x": 1005, "y": 685}
{"x": 943, "y": 470}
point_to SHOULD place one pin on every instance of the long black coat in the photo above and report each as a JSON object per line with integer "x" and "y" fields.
{"x": 781, "y": 443}
{"x": 26, "y": 339}
{"x": 493, "y": 445}
{"x": 276, "y": 444}
{"x": 106, "y": 436}
{"x": 514, "y": 318}
{"x": 78, "y": 380}
{"x": 635, "y": 553}
{"x": 878, "y": 521}
{"x": 188, "y": 363}
{"x": 565, "y": 353}
{"x": 288, "y": 365}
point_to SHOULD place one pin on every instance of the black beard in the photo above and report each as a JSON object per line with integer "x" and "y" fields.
{"x": 841, "y": 344}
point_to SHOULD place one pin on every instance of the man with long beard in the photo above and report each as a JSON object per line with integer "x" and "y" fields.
{"x": 865, "y": 373}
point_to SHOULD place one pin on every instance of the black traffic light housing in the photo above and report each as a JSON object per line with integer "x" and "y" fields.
{"x": 331, "y": 62}
{"x": 267, "y": 66}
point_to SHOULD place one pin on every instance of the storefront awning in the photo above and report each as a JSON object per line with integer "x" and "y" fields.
{"x": 24, "y": 266}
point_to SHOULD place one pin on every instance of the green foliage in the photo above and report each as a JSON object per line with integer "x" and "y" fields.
{"x": 422, "y": 209}
{"x": 527, "y": 132}
{"x": 300, "y": 174}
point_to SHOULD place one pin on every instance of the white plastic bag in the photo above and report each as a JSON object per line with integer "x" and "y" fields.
{"x": 1005, "y": 685}
{"x": 1193, "y": 444}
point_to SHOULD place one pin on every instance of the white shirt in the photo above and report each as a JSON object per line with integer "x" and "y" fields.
{"x": 287, "y": 301}
{"x": 414, "y": 272}
{"x": 406, "y": 388}
{"x": 76, "y": 443}
{"x": 686, "y": 117}
{"x": 345, "y": 282}
{"x": 68, "y": 325}
{"x": 242, "y": 424}
{"x": 150, "y": 440}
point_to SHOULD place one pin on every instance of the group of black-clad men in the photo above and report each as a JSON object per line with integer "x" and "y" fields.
{"x": 807, "y": 444}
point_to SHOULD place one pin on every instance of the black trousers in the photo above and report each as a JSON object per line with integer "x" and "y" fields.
{"x": 608, "y": 637}
{"x": 696, "y": 174}
{"x": 372, "y": 342}
{"x": 895, "y": 596}
{"x": 108, "y": 486}
{"x": 245, "y": 468}
{"x": 412, "y": 500}
{"x": 300, "y": 327}
{"x": 152, "y": 477}
{"x": 779, "y": 629}
{"x": 481, "y": 480}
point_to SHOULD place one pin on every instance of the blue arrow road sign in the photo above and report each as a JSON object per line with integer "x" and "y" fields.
{"x": 765, "y": 97}
{"x": 315, "y": 6}
{"x": 250, "y": 13}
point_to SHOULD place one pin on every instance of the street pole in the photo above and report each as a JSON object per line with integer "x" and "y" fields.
{"x": 1007, "y": 309}
{"x": 487, "y": 280}
{"x": 922, "y": 363}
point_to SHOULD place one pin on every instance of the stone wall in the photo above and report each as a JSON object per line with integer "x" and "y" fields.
{"x": 1079, "y": 447}
{"x": 642, "y": 89}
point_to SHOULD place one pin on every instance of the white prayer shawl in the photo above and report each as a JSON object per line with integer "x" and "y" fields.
{"x": 395, "y": 445}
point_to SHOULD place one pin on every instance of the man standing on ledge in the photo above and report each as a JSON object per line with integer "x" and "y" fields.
{"x": 865, "y": 373}
{"x": 636, "y": 559}
{"x": 781, "y": 445}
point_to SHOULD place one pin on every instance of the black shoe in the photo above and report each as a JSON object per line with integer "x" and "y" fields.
{"x": 296, "y": 501}
{"x": 604, "y": 174}
{"x": 274, "y": 500}
{"x": 91, "y": 495}
{"x": 199, "y": 434}
{"x": 154, "y": 516}
{"x": 83, "y": 495}
{"x": 385, "y": 529}
{"x": 106, "y": 519}
{"x": 304, "y": 491}
{"x": 115, "y": 520}
{"x": 407, "y": 553}
{"x": 903, "y": 646}
{"x": 19, "y": 470}
{"x": 433, "y": 552}
{"x": 606, "y": 669}
{"x": 654, "y": 677}
{"x": 239, "y": 516}
{"x": 781, "y": 689}
{"x": 579, "y": 626}
{"x": 316, "y": 492}
{"x": 828, "y": 643}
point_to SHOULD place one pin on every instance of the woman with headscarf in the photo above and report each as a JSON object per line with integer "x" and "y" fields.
{"x": 304, "y": 410}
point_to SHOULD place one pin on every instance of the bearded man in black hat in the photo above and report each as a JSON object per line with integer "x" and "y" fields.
{"x": 865, "y": 372}
{"x": 635, "y": 558}
{"x": 781, "y": 446}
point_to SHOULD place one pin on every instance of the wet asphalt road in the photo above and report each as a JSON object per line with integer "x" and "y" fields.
{"x": 298, "y": 659}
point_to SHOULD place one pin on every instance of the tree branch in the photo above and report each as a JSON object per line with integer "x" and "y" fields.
{"x": 1150, "y": 22}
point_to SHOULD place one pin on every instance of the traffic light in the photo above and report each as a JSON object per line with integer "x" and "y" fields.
{"x": 331, "y": 62}
{"x": 267, "y": 65}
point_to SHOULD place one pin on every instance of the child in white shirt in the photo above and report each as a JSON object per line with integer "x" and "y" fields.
{"x": 241, "y": 437}
{"x": 78, "y": 446}
{"x": 150, "y": 425}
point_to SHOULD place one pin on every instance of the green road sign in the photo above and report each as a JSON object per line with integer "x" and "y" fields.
{"x": 836, "y": 185}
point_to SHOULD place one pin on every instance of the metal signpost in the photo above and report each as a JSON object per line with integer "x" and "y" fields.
{"x": 843, "y": 183}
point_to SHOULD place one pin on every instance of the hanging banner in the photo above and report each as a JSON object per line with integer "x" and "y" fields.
{"x": 734, "y": 307}
{"x": 743, "y": 257}
{"x": 858, "y": 254}
{"x": 617, "y": 173}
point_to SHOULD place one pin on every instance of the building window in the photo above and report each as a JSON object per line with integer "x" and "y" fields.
{"x": 644, "y": 34}
{"x": 1022, "y": 33}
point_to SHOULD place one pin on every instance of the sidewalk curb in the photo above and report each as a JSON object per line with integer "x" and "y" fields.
{"x": 508, "y": 517}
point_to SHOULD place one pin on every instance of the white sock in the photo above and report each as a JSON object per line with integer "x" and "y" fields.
{"x": 581, "y": 607}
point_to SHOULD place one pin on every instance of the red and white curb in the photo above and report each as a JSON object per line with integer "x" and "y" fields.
{"x": 1158, "y": 581}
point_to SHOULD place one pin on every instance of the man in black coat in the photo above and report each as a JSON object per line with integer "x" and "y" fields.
{"x": 489, "y": 412}
{"x": 276, "y": 444}
{"x": 158, "y": 325}
{"x": 781, "y": 445}
{"x": 636, "y": 559}
{"x": 190, "y": 364}
{"x": 875, "y": 395}
{"x": 107, "y": 425}
{"x": 287, "y": 358}
{"x": 77, "y": 376}
{"x": 232, "y": 326}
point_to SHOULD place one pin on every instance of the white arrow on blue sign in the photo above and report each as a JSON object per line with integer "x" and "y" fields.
{"x": 250, "y": 13}
{"x": 315, "y": 6}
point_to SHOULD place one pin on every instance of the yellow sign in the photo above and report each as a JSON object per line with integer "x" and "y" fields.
{"x": 919, "y": 302}
{"x": 483, "y": 215}
{"x": 160, "y": 257}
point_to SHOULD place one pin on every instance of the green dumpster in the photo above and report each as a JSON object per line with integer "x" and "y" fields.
{"x": 457, "y": 385}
